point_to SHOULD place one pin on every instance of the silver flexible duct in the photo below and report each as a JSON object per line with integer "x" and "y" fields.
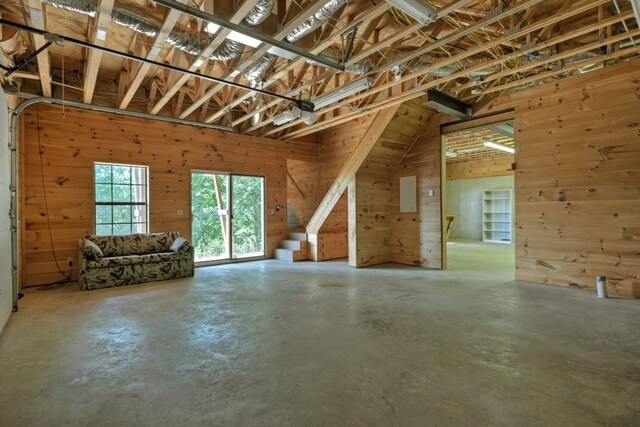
{"x": 183, "y": 41}
{"x": 229, "y": 49}
{"x": 259, "y": 13}
{"x": 83, "y": 7}
{"x": 186, "y": 43}
{"x": 257, "y": 117}
{"x": 445, "y": 70}
{"x": 256, "y": 71}
{"x": 361, "y": 67}
{"x": 316, "y": 20}
{"x": 134, "y": 22}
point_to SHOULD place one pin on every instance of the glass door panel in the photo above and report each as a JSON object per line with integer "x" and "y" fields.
{"x": 210, "y": 216}
{"x": 247, "y": 224}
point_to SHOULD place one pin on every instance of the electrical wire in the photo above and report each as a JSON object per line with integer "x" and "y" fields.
{"x": 66, "y": 278}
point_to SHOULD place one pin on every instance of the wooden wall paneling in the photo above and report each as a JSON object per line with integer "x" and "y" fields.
{"x": 480, "y": 168}
{"x": 71, "y": 145}
{"x": 416, "y": 238}
{"x": 370, "y": 193}
{"x": 336, "y": 145}
{"x": 577, "y": 181}
{"x": 303, "y": 188}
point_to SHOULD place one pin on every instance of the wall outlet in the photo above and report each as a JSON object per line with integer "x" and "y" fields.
{"x": 430, "y": 192}
{"x": 179, "y": 212}
{"x": 69, "y": 262}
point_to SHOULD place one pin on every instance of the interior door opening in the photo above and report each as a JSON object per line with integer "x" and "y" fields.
{"x": 227, "y": 216}
{"x": 478, "y": 204}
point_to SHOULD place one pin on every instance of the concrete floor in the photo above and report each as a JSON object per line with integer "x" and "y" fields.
{"x": 276, "y": 344}
{"x": 469, "y": 255}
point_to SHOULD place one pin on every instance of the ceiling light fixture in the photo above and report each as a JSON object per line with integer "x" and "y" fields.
{"x": 198, "y": 62}
{"x": 417, "y": 9}
{"x": 244, "y": 39}
{"x": 501, "y": 147}
{"x": 212, "y": 28}
{"x": 343, "y": 92}
{"x": 451, "y": 153}
{"x": 282, "y": 53}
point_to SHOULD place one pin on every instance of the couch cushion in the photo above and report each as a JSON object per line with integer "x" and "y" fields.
{"x": 155, "y": 242}
{"x": 160, "y": 257}
{"x": 179, "y": 244}
{"x": 90, "y": 250}
{"x": 115, "y": 261}
{"x": 112, "y": 246}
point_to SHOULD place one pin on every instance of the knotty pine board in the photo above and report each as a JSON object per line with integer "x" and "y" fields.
{"x": 72, "y": 144}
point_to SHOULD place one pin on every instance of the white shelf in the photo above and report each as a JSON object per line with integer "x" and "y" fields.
{"x": 496, "y": 216}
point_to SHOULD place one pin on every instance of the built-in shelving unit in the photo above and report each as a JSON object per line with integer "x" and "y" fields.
{"x": 496, "y": 216}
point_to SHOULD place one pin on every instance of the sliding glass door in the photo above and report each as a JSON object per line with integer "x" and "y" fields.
{"x": 227, "y": 216}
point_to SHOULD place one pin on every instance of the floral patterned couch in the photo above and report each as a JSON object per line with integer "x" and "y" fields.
{"x": 107, "y": 261}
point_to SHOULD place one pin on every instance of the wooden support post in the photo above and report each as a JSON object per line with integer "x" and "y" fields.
{"x": 348, "y": 171}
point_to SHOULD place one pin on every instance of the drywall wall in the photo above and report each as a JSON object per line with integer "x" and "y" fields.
{"x": 71, "y": 144}
{"x": 577, "y": 179}
{"x": 6, "y": 297}
{"x": 464, "y": 202}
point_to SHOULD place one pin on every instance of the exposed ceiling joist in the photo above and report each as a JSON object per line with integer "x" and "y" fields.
{"x": 38, "y": 19}
{"x": 98, "y": 37}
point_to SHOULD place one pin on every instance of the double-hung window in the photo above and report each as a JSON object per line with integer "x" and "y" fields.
{"x": 121, "y": 199}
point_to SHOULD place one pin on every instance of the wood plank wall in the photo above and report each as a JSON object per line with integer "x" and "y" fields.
{"x": 336, "y": 144}
{"x": 577, "y": 179}
{"x": 72, "y": 143}
{"x": 480, "y": 168}
{"x": 416, "y": 238}
{"x": 370, "y": 194}
{"x": 303, "y": 189}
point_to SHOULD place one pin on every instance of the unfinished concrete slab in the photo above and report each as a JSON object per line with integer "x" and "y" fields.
{"x": 273, "y": 343}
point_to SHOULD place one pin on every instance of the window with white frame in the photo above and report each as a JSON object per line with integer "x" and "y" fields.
{"x": 121, "y": 199}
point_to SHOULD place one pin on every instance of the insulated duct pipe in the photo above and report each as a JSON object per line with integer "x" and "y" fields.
{"x": 315, "y": 20}
{"x": 189, "y": 43}
{"x": 13, "y": 146}
{"x": 58, "y": 38}
{"x": 196, "y": 13}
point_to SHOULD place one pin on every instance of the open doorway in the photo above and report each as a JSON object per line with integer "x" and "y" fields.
{"x": 478, "y": 203}
{"x": 227, "y": 216}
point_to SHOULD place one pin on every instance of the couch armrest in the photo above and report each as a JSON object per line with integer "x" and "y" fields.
{"x": 90, "y": 250}
{"x": 180, "y": 245}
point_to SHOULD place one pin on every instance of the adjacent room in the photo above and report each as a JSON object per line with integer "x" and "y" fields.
{"x": 319, "y": 212}
{"x": 478, "y": 201}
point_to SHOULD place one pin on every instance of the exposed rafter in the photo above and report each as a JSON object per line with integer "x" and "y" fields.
{"x": 98, "y": 37}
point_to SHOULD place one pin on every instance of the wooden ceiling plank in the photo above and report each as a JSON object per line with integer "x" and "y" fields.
{"x": 170, "y": 21}
{"x": 43, "y": 59}
{"x": 220, "y": 37}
